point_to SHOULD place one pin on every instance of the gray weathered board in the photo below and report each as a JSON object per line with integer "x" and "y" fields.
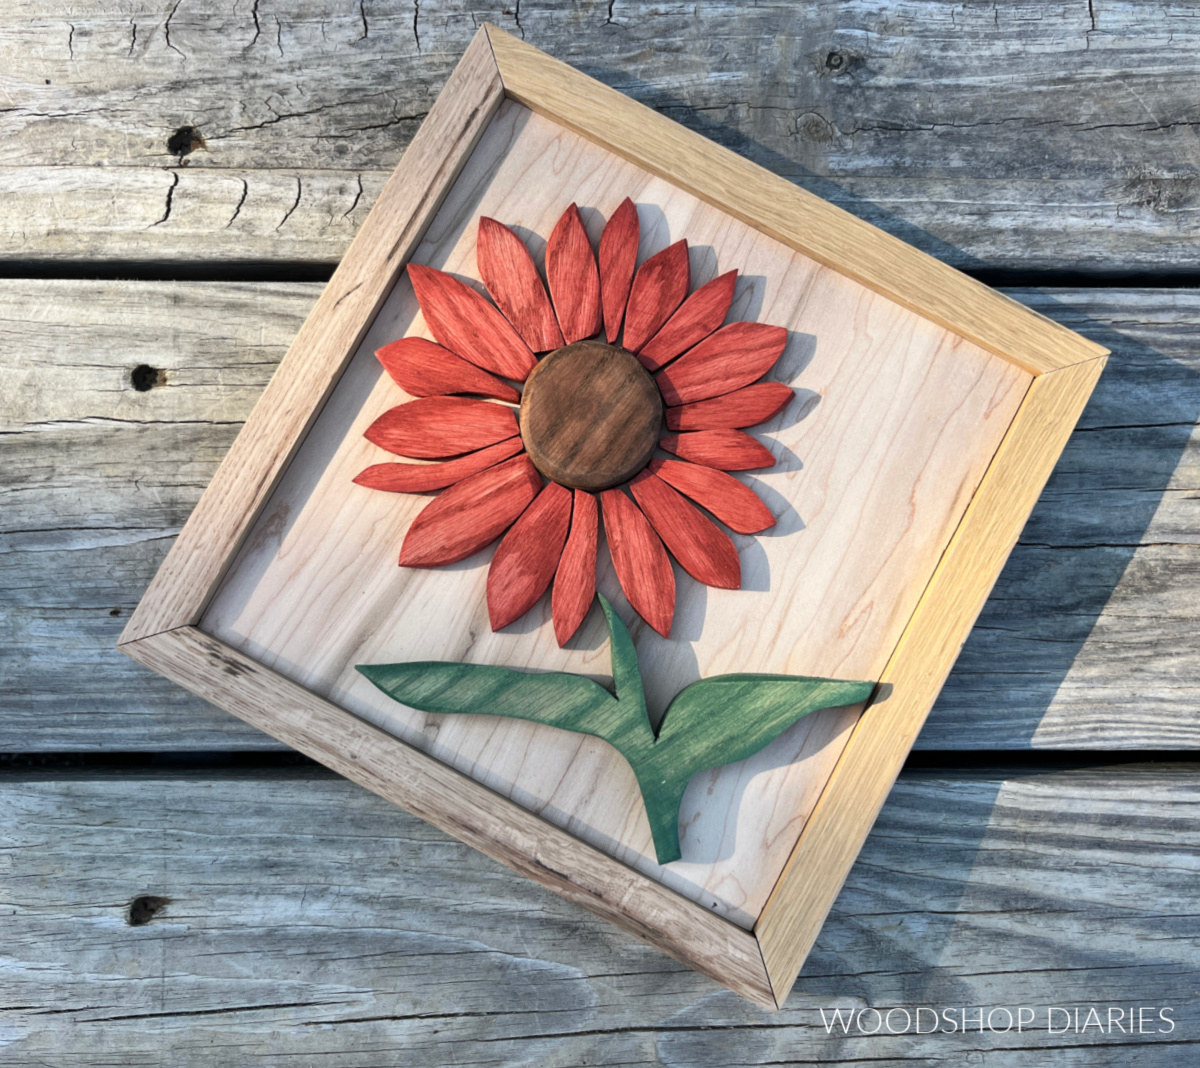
{"x": 308, "y": 922}
{"x": 1087, "y": 642}
{"x": 1032, "y": 135}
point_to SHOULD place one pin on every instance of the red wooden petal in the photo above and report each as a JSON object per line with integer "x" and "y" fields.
{"x": 747, "y": 407}
{"x": 468, "y": 325}
{"x": 471, "y": 515}
{"x": 421, "y": 478}
{"x": 575, "y": 581}
{"x": 424, "y": 369}
{"x": 658, "y": 289}
{"x": 705, "y": 553}
{"x": 515, "y": 285}
{"x": 433, "y": 428}
{"x": 726, "y": 450}
{"x": 574, "y": 280}
{"x": 733, "y": 503}
{"x": 527, "y": 557}
{"x": 734, "y": 356}
{"x": 642, "y": 565}
{"x": 698, "y": 316}
{"x": 618, "y": 258}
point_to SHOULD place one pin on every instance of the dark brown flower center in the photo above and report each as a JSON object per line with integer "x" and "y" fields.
{"x": 590, "y": 416}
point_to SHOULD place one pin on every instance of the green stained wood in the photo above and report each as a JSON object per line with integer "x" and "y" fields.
{"x": 712, "y": 722}
{"x": 720, "y": 721}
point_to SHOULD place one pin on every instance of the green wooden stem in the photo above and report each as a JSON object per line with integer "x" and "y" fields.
{"x": 712, "y": 722}
{"x": 662, "y": 797}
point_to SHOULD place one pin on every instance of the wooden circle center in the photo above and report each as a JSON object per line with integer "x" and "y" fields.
{"x": 590, "y": 416}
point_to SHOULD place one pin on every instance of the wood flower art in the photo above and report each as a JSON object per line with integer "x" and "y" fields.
{"x": 712, "y": 722}
{"x": 599, "y": 397}
{"x": 613, "y": 362}
{"x": 626, "y": 349}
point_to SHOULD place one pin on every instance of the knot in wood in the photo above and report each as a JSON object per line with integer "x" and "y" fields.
{"x": 590, "y": 416}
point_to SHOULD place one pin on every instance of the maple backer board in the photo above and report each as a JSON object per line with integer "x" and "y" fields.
{"x": 895, "y": 421}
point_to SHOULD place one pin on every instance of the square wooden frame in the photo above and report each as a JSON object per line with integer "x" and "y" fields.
{"x": 761, "y": 964}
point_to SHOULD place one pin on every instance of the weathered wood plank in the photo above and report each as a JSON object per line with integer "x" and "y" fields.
{"x": 99, "y": 477}
{"x": 1087, "y": 641}
{"x": 1044, "y": 135}
{"x": 1084, "y": 640}
{"x": 307, "y": 919}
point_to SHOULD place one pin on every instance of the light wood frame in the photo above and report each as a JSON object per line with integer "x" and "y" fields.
{"x": 761, "y": 964}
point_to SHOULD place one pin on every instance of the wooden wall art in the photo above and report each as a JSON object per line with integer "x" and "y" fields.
{"x": 620, "y": 509}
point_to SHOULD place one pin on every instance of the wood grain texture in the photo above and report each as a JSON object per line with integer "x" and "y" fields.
{"x": 946, "y": 127}
{"x": 468, "y": 324}
{"x": 1086, "y": 642}
{"x": 99, "y": 479}
{"x": 699, "y": 315}
{"x": 436, "y": 428}
{"x": 454, "y": 803}
{"x": 423, "y": 478}
{"x": 573, "y": 277}
{"x": 716, "y": 721}
{"x": 528, "y": 556}
{"x": 590, "y": 416}
{"x": 658, "y": 288}
{"x": 640, "y": 561}
{"x": 512, "y": 278}
{"x": 747, "y": 407}
{"x": 422, "y": 368}
{"x": 310, "y": 921}
{"x": 731, "y": 359}
{"x": 617, "y": 260}
{"x": 875, "y": 752}
{"x": 1146, "y": 199}
{"x": 734, "y": 503}
{"x": 320, "y": 351}
{"x": 726, "y": 450}
{"x": 471, "y": 514}
{"x": 575, "y": 581}
{"x": 703, "y": 551}
{"x": 830, "y": 236}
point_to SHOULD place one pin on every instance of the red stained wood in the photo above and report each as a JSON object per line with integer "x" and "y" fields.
{"x": 424, "y": 369}
{"x": 698, "y": 316}
{"x": 422, "y": 478}
{"x": 642, "y": 565}
{"x": 618, "y": 258}
{"x": 746, "y": 407}
{"x": 733, "y": 357}
{"x": 704, "y": 552}
{"x": 468, "y": 325}
{"x": 658, "y": 289}
{"x": 467, "y": 517}
{"x": 528, "y": 556}
{"x": 434, "y": 428}
{"x": 726, "y": 450}
{"x": 733, "y": 503}
{"x": 573, "y": 277}
{"x": 509, "y": 273}
{"x": 575, "y": 580}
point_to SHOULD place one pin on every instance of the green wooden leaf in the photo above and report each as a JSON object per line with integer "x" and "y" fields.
{"x": 570, "y": 702}
{"x": 627, "y": 676}
{"x": 557, "y": 699}
{"x": 714, "y": 721}
{"x": 698, "y": 720}
{"x": 437, "y": 686}
{"x": 720, "y": 721}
